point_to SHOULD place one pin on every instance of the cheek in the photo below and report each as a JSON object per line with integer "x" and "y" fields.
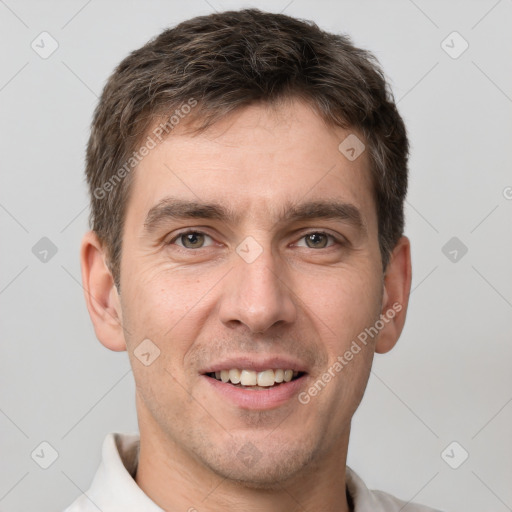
{"x": 160, "y": 312}
{"x": 164, "y": 293}
{"x": 343, "y": 308}
{"x": 344, "y": 304}
{"x": 163, "y": 306}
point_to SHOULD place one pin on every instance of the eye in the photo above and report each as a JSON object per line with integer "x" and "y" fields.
{"x": 198, "y": 240}
{"x": 191, "y": 240}
{"x": 318, "y": 240}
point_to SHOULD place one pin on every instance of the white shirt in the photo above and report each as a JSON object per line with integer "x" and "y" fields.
{"x": 114, "y": 489}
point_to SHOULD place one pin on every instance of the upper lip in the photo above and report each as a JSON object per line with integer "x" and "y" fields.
{"x": 257, "y": 364}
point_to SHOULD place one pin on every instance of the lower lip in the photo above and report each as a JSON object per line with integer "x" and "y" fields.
{"x": 258, "y": 398}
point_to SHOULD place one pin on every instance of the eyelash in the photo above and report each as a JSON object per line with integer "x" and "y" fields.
{"x": 336, "y": 240}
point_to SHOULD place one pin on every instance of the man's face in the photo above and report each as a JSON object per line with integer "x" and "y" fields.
{"x": 265, "y": 288}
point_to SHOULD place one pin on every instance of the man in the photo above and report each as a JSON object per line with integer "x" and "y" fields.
{"x": 247, "y": 175}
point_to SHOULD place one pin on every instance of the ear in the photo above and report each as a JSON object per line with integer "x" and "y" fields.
{"x": 101, "y": 295}
{"x": 397, "y": 287}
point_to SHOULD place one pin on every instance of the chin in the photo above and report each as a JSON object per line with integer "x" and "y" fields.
{"x": 269, "y": 470}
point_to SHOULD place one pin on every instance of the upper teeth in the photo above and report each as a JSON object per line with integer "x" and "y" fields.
{"x": 265, "y": 378}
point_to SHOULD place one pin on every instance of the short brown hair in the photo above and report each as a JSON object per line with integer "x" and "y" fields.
{"x": 225, "y": 61}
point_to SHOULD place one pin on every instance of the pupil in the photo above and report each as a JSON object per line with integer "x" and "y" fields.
{"x": 192, "y": 239}
{"x": 313, "y": 238}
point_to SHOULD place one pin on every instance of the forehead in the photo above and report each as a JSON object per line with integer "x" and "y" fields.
{"x": 255, "y": 161}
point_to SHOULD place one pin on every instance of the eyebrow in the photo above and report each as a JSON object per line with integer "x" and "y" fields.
{"x": 171, "y": 208}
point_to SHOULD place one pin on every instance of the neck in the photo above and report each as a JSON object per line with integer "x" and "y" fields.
{"x": 175, "y": 479}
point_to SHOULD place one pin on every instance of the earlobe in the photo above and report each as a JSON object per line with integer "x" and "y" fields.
{"x": 397, "y": 286}
{"x": 100, "y": 294}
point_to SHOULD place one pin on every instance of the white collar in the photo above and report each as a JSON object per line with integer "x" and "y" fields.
{"x": 114, "y": 489}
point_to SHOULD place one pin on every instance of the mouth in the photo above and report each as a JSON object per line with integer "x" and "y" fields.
{"x": 256, "y": 380}
{"x": 256, "y": 383}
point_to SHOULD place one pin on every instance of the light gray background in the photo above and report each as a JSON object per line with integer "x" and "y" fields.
{"x": 449, "y": 377}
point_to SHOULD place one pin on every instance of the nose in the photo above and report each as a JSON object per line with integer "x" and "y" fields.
{"x": 256, "y": 295}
